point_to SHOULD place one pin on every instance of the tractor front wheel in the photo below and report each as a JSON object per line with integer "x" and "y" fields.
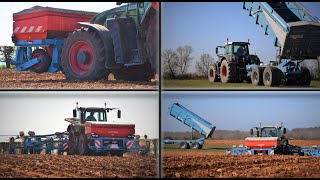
{"x": 212, "y": 73}
{"x": 72, "y": 145}
{"x": 83, "y": 56}
{"x": 134, "y": 73}
{"x": 305, "y": 79}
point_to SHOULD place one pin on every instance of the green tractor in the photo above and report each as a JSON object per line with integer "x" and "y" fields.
{"x": 122, "y": 41}
{"x": 232, "y": 65}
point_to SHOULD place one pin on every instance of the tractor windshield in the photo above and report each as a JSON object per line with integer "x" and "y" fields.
{"x": 269, "y": 132}
{"x": 95, "y": 116}
{"x": 241, "y": 49}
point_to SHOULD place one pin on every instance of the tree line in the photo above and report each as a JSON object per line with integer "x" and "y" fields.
{"x": 6, "y": 54}
{"x": 176, "y": 63}
{"x": 312, "y": 133}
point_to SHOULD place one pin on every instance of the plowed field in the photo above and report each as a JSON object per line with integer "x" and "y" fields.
{"x": 208, "y": 162}
{"x": 9, "y": 79}
{"x": 52, "y": 166}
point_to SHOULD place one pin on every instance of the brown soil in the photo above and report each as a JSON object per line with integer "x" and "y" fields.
{"x": 53, "y": 166}
{"x": 9, "y": 79}
{"x": 207, "y": 163}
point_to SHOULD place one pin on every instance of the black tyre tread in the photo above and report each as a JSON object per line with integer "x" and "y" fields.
{"x": 45, "y": 61}
{"x": 231, "y": 72}
{"x": 305, "y": 77}
{"x": 259, "y": 71}
{"x": 98, "y": 71}
{"x": 83, "y": 150}
{"x": 144, "y": 74}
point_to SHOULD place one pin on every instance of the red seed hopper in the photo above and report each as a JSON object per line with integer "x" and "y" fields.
{"x": 113, "y": 129}
{"x": 45, "y": 22}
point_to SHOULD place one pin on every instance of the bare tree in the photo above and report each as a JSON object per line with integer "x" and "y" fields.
{"x": 7, "y": 52}
{"x": 184, "y": 58}
{"x": 203, "y": 65}
{"x": 169, "y": 62}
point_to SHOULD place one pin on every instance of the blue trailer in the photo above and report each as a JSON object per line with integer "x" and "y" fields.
{"x": 293, "y": 29}
{"x": 194, "y": 121}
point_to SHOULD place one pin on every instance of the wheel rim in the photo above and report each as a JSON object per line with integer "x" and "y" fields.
{"x": 40, "y": 64}
{"x": 224, "y": 71}
{"x": 81, "y": 57}
{"x": 268, "y": 77}
{"x": 211, "y": 73}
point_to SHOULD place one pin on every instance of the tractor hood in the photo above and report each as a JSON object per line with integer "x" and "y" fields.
{"x": 261, "y": 142}
{"x": 110, "y": 129}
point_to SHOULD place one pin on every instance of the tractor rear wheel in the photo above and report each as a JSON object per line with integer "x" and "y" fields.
{"x": 305, "y": 79}
{"x": 271, "y": 76}
{"x": 72, "y": 145}
{"x": 83, "y": 56}
{"x": 45, "y": 62}
{"x": 212, "y": 73}
{"x": 83, "y": 145}
{"x": 228, "y": 72}
{"x": 257, "y": 76}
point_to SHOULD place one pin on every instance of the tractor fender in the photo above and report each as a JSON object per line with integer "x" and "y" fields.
{"x": 104, "y": 34}
{"x": 154, "y": 6}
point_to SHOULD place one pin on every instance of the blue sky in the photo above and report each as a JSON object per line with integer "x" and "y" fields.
{"x": 241, "y": 110}
{"x": 205, "y": 25}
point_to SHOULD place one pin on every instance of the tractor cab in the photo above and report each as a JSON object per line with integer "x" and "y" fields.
{"x": 234, "y": 48}
{"x": 96, "y": 114}
{"x": 269, "y": 131}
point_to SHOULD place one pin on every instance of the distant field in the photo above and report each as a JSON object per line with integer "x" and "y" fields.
{"x": 222, "y": 145}
{"x": 194, "y": 84}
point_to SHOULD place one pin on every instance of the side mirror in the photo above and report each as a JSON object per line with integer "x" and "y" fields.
{"x": 74, "y": 113}
{"x": 119, "y": 114}
{"x": 216, "y": 50}
{"x": 251, "y": 131}
{"x": 258, "y": 135}
{"x": 284, "y": 130}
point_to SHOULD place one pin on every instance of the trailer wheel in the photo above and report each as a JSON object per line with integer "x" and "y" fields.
{"x": 196, "y": 145}
{"x": 184, "y": 145}
{"x": 212, "y": 73}
{"x": 228, "y": 72}
{"x": 83, "y": 145}
{"x": 271, "y": 76}
{"x": 305, "y": 79}
{"x": 45, "y": 62}
{"x": 83, "y": 56}
{"x": 257, "y": 76}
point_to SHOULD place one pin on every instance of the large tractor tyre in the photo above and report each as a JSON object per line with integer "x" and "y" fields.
{"x": 305, "y": 79}
{"x": 137, "y": 73}
{"x": 257, "y": 76}
{"x": 228, "y": 72}
{"x": 72, "y": 144}
{"x": 213, "y": 74}
{"x": 83, "y": 148}
{"x": 83, "y": 56}
{"x": 184, "y": 145}
{"x": 271, "y": 76}
{"x": 45, "y": 62}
